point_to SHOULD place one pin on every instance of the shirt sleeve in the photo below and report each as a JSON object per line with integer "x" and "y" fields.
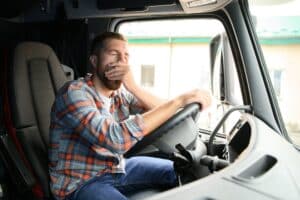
{"x": 78, "y": 110}
{"x": 134, "y": 105}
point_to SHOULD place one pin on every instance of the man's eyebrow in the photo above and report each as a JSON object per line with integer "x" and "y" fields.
{"x": 117, "y": 51}
{"x": 111, "y": 50}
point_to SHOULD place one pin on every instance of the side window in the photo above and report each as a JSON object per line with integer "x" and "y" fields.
{"x": 278, "y": 31}
{"x": 169, "y": 57}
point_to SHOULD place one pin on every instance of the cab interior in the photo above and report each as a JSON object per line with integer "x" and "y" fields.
{"x": 45, "y": 43}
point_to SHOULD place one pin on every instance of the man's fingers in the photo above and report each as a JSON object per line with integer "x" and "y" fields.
{"x": 205, "y": 99}
{"x": 201, "y": 96}
{"x": 117, "y": 72}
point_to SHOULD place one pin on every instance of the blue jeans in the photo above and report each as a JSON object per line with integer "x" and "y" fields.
{"x": 141, "y": 173}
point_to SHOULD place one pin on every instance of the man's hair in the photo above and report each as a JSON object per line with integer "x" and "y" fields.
{"x": 99, "y": 41}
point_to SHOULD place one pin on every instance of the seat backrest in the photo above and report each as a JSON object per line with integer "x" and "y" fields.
{"x": 36, "y": 76}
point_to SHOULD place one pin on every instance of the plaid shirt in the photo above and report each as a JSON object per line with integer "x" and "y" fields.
{"x": 86, "y": 139}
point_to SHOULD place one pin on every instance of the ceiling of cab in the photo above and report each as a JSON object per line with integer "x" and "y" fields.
{"x": 105, "y": 8}
{"x": 13, "y": 8}
{"x": 130, "y": 5}
{"x": 112, "y": 8}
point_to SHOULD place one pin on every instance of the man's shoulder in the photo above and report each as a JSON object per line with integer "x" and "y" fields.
{"x": 74, "y": 85}
{"x": 79, "y": 84}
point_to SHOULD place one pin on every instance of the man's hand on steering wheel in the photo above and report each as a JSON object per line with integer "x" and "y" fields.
{"x": 160, "y": 114}
{"x": 188, "y": 101}
{"x": 202, "y": 97}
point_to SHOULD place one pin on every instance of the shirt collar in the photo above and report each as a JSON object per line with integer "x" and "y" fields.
{"x": 88, "y": 80}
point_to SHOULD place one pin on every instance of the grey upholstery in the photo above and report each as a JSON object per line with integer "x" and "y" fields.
{"x": 36, "y": 76}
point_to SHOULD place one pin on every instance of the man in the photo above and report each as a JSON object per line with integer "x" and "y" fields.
{"x": 94, "y": 121}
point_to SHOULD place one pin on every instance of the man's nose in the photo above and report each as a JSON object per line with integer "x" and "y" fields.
{"x": 122, "y": 58}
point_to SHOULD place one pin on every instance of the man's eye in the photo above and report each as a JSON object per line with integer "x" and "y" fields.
{"x": 113, "y": 53}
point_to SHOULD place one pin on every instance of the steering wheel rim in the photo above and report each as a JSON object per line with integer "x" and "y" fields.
{"x": 191, "y": 110}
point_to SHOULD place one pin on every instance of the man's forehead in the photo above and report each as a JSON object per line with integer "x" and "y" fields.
{"x": 115, "y": 43}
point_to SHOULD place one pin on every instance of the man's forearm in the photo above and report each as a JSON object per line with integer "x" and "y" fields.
{"x": 157, "y": 116}
{"x": 148, "y": 100}
{"x": 160, "y": 114}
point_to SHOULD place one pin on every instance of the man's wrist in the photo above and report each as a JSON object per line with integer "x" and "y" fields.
{"x": 132, "y": 88}
{"x": 179, "y": 101}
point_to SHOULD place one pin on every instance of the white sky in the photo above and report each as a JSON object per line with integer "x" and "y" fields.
{"x": 275, "y": 7}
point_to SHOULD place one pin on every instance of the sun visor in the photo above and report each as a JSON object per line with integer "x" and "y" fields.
{"x": 199, "y": 6}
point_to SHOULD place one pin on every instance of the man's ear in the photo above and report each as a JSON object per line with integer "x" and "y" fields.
{"x": 94, "y": 61}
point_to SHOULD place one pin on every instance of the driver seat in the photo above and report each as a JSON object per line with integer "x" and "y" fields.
{"x": 36, "y": 77}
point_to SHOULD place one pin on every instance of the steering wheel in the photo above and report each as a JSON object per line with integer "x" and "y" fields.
{"x": 191, "y": 110}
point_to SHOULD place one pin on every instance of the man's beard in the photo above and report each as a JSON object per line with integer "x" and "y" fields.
{"x": 109, "y": 84}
